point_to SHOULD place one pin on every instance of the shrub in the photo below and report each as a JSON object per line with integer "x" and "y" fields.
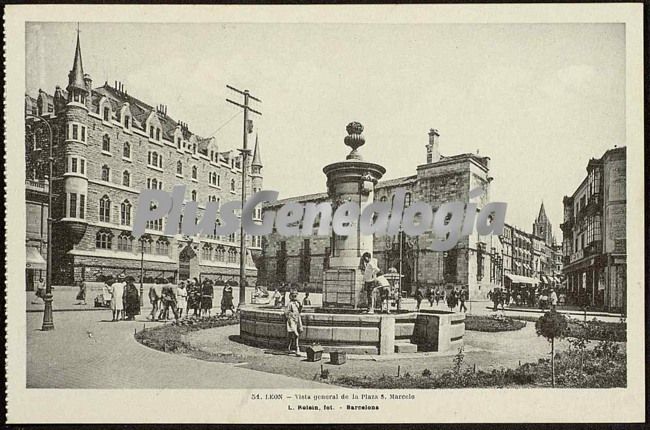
{"x": 552, "y": 325}
{"x": 492, "y": 324}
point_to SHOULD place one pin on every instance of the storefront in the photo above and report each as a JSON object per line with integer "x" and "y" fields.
{"x": 34, "y": 268}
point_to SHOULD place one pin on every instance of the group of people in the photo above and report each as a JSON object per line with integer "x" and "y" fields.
{"x": 124, "y": 297}
{"x": 544, "y": 298}
{"x": 166, "y": 301}
{"x": 284, "y": 290}
{"x": 376, "y": 284}
{"x": 190, "y": 295}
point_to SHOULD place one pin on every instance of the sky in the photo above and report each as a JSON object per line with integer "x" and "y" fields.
{"x": 539, "y": 100}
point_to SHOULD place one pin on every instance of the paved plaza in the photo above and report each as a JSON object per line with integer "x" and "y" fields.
{"x": 87, "y": 350}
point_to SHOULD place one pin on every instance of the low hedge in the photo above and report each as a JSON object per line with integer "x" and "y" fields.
{"x": 168, "y": 337}
{"x": 492, "y": 324}
{"x": 593, "y": 330}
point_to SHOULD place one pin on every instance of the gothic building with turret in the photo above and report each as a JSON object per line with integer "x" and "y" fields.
{"x": 474, "y": 263}
{"x": 108, "y": 146}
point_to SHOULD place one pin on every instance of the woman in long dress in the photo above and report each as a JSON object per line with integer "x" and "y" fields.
{"x": 294, "y": 322}
{"x": 226, "y": 300}
{"x": 117, "y": 294}
{"x": 181, "y": 298}
{"x": 207, "y": 292}
{"x": 132, "y": 299}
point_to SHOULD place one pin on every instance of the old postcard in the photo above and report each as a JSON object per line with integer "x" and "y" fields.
{"x": 324, "y": 214}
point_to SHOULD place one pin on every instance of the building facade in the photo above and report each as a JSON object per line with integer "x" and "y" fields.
{"x": 594, "y": 233}
{"x": 108, "y": 146}
{"x": 474, "y": 262}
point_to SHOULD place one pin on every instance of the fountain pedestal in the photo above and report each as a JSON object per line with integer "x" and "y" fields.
{"x": 338, "y": 326}
{"x": 352, "y": 180}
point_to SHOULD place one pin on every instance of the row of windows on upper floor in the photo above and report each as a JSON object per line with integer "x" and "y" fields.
{"x": 78, "y": 132}
{"x": 76, "y": 164}
{"x": 161, "y": 246}
{"x": 76, "y": 208}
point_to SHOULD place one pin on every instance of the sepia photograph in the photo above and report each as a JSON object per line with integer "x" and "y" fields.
{"x": 325, "y": 219}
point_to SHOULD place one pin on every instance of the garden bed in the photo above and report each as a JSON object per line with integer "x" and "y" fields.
{"x": 168, "y": 337}
{"x": 602, "y": 367}
{"x": 492, "y": 324}
{"x": 593, "y": 330}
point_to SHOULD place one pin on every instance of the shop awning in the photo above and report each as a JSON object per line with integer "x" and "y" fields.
{"x": 34, "y": 259}
{"x": 521, "y": 279}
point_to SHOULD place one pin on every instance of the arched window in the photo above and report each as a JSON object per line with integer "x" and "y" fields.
{"x": 105, "y": 209}
{"x": 193, "y": 195}
{"x": 145, "y": 244}
{"x": 232, "y": 185}
{"x": 125, "y": 213}
{"x": 106, "y": 173}
{"x": 194, "y": 172}
{"x": 232, "y": 255}
{"x": 162, "y": 246}
{"x": 126, "y": 150}
{"x": 218, "y": 180}
{"x": 206, "y": 253}
{"x": 220, "y": 254}
{"x": 125, "y": 241}
{"x": 157, "y": 134}
{"x": 179, "y": 167}
{"x": 106, "y": 143}
{"x": 104, "y": 239}
{"x": 126, "y": 178}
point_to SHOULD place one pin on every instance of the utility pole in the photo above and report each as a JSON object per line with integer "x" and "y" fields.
{"x": 245, "y": 153}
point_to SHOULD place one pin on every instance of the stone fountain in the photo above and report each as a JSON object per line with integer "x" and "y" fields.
{"x": 340, "y": 325}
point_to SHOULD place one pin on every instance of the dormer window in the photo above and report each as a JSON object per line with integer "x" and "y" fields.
{"x": 179, "y": 143}
{"x": 127, "y": 121}
{"x": 157, "y": 134}
{"x": 107, "y": 113}
{"x": 151, "y": 131}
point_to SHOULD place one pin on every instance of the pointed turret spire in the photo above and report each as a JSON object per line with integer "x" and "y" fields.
{"x": 257, "y": 160}
{"x": 76, "y": 75}
{"x": 542, "y": 214}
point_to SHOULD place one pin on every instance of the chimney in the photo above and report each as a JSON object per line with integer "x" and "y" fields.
{"x": 433, "y": 148}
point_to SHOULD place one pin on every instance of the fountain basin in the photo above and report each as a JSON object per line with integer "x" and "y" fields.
{"x": 356, "y": 333}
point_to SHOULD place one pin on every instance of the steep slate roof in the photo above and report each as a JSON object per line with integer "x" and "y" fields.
{"x": 257, "y": 159}
{"x": 76, "y": 76}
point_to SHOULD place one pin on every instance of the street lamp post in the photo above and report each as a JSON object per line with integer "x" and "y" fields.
{"x": 48, "y": 320}
{"x": 141, "y": 268}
